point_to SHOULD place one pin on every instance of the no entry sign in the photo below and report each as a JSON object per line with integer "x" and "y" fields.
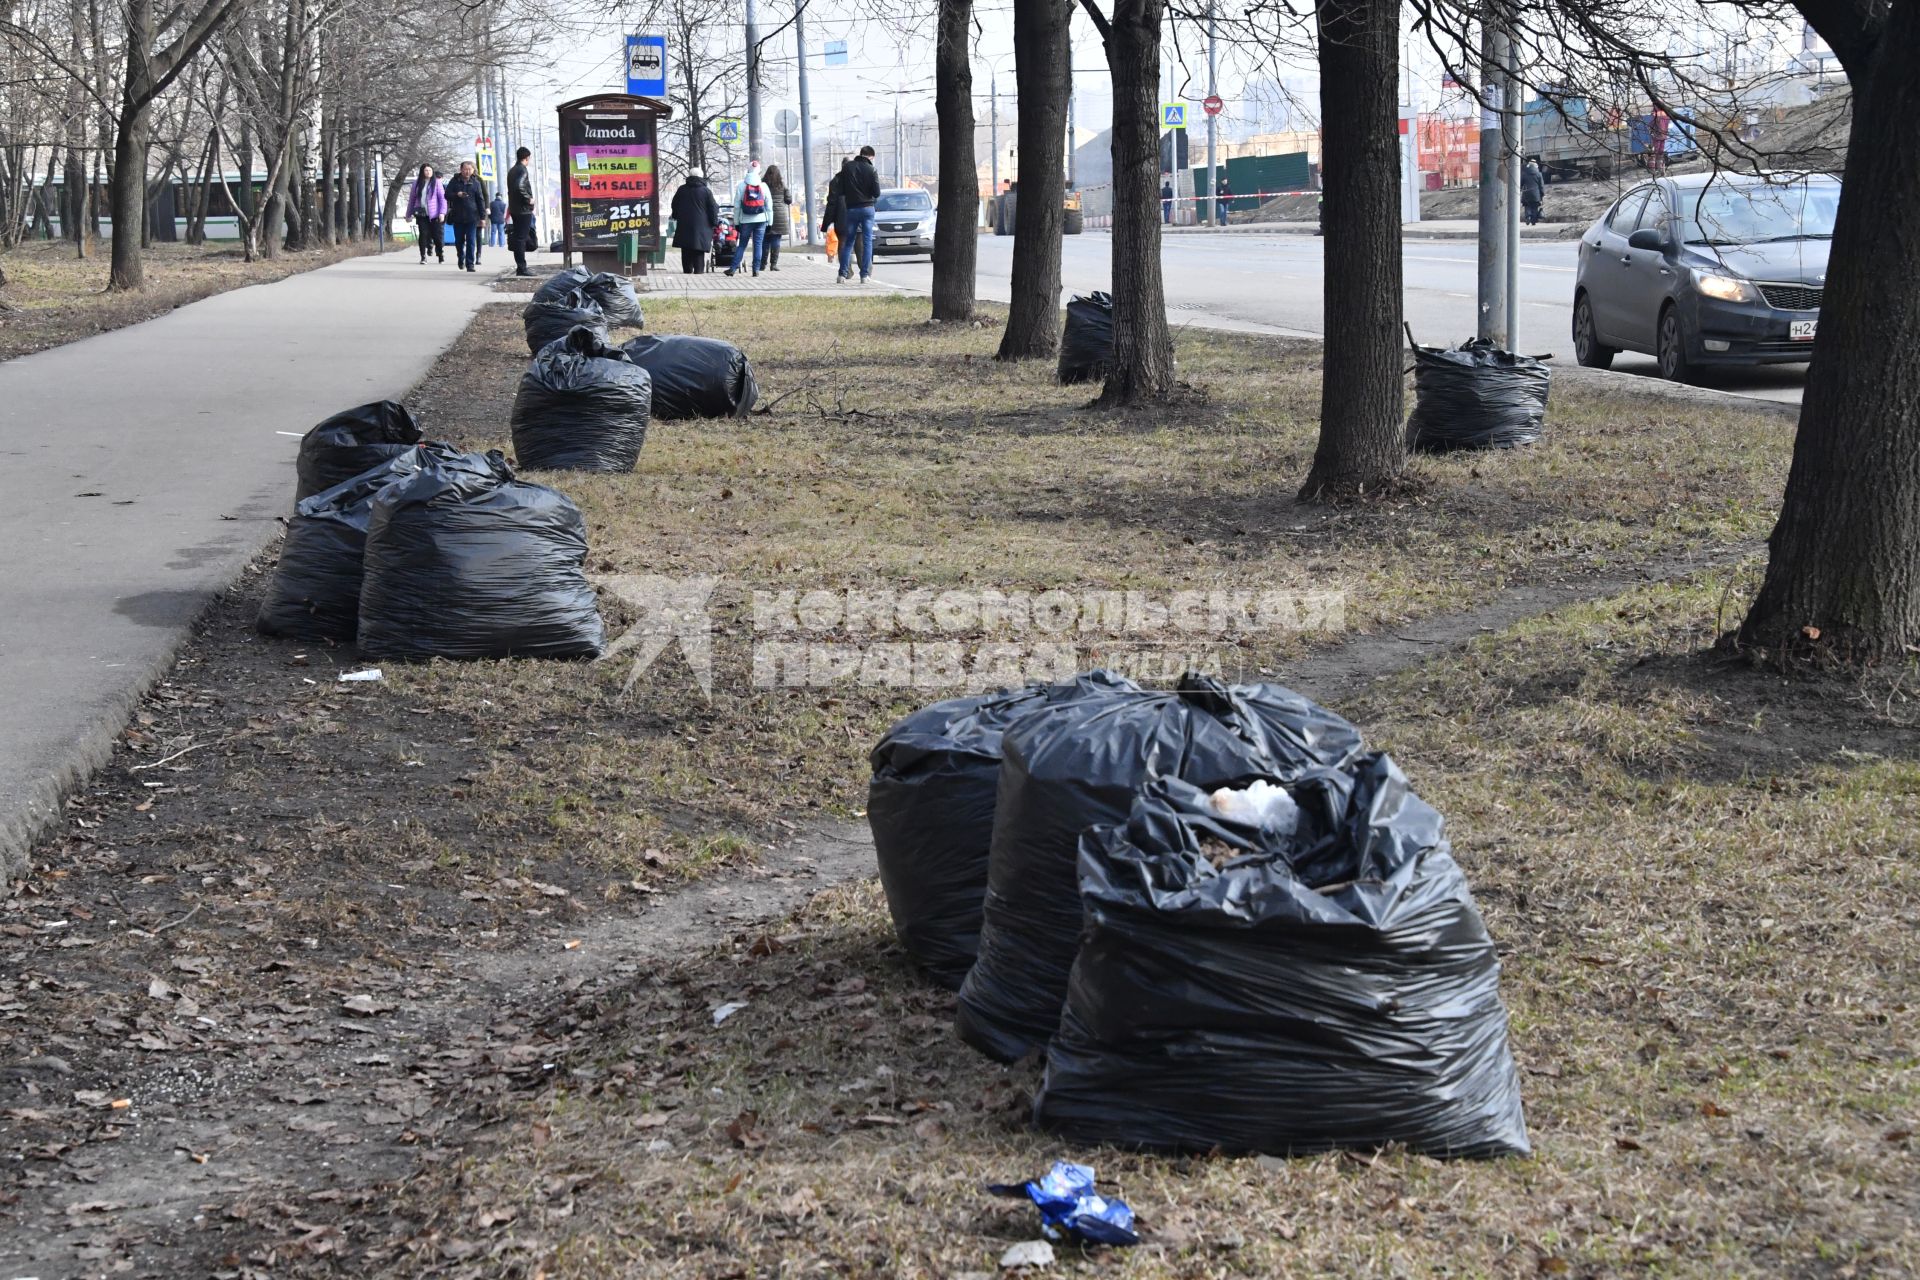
{"x": 1213, "y": 104}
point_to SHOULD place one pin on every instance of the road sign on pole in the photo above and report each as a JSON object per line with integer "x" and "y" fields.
{"x": 1173, "y": 115}
{"x": 836, "y": 53}
{"x": 1213, "y": 104}
{"x": 647, "y": 66}
{"x": 727, "y": 128}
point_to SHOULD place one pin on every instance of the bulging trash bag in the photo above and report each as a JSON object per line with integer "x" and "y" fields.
{"x": 551, "y": 320}
{"x": 930, "y": 806}
{"x": 1077, "y": 765}
{"x": 352, "y": 442}
{"x": 695, "y": 377}
{"x": 1086, "y": 348}
{"x": 581, "y": 406}
{"x": 614, "y": 295}
{"x": 1243, "y": 990}
{"x": 465, "y": 561}
{"x": 314, "y": 592}
{"x": 1476, "y": 397}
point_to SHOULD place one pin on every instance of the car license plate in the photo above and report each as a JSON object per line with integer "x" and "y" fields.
{"x": 1801, "y": 330}
{"x": 899, "y": 239}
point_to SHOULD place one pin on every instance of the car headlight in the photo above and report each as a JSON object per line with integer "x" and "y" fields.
{"x": 1725, "y": 288}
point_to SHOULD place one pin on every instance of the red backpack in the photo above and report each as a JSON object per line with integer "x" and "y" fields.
{"x": 753, "y": 198}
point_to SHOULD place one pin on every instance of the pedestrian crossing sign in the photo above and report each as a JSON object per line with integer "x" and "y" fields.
{"x": 727, "y": 129}
{"x": 1173, "y": 115}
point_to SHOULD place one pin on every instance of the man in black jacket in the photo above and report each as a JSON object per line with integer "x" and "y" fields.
{"x": 860, "y": 187}
{"x": 520, "y": 210}
{"x": 466, "y": 207}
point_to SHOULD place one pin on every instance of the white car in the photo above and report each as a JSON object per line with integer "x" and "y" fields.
{"x": 903, "y": 221}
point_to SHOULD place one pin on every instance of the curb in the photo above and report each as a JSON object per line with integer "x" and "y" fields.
{"x": 1550, "y": 232}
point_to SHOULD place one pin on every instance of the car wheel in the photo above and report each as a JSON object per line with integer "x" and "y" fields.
{"x": 1672, "y": 347}
{"x": 1587, "y": 348}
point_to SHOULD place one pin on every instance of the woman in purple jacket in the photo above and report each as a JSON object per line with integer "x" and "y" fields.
{"x": 427, "y": 206}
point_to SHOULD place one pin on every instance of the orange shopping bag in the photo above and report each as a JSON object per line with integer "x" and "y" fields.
{"x": 833, "y": 244}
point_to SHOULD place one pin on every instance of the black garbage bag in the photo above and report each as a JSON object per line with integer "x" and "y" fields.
{"x": 552, "y": 319}
{"x": 1086, "y": 348}
{"x": 930, "y": 806}
{"x": 581, "y": 406}
{"x": 351, "y": 443}
{"x": 465, "y": 561}
{"x": 695, "y": 377}
{"x": 314, "y": 592}
{"x": 1077, "y": 765}
{"x": 1247, "y": 991}
{"x": 614, "y": 295}
{"x": 1476, "y": 397}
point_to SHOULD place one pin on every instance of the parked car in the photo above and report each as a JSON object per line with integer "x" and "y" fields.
{"x": 903, "y": 221}
{"x": 1706, "y": 270}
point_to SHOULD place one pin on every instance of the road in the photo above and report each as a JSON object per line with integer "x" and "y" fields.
{"x": 1274, "y": 284}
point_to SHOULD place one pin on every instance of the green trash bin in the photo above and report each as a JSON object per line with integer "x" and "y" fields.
{"x": 627, "y": 249}
{"x": 659, "y": 255}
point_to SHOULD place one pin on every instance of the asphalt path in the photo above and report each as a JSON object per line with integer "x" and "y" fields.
{"x": 1276, "y": 284}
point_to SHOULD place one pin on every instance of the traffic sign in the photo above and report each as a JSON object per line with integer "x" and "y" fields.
{"x": 1213, "y": 104}
{"x": 836, "y": 52}
{"x": 727, "y": 129}
{"x": 786, "y": 127}
{"x": 647, "y": 66}
{"x": 1173, "y": 115}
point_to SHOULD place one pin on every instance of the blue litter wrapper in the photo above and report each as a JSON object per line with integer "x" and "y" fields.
{"x": 1071, "y": 1209}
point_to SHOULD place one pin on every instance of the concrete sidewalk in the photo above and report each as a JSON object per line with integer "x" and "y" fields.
{"x": 141, "y": 469}
{"x": 1428, "y": 229}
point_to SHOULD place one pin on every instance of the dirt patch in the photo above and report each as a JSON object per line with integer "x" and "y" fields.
{"x": 54, "y": 298}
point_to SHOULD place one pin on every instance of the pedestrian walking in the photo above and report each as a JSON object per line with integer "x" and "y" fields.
{"x": 1223, "y": 194}
{"x": 1533, "y": 190}
{"x": 860, "y": 188}
{"x": 1166, "y": 202}
{"x": 782, "y": 224}
{"x": 752, "y": 212}
{"x": 497, "y": 222}
{"x": 427, "y": 208}
{"x": 696, "y": 215}
{"x": 520, "y": 209}
{"x": 466, "y": 209}
{"x": 833, "y": 215}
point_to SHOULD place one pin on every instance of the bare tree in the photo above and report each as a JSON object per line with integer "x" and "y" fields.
{"x": 956, "y": 240}
{"x": 1043, "y": 76}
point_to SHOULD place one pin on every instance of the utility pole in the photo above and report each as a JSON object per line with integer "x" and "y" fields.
{"x": 1494, "y": 212}
{"x": 753, "y": 84}
{"x": 1073, "y": 131}
{"x": 993, "y": 128}
{"x": 1213, "y": 127}
{"x": 806, "y": 116}
{"x": 899, "y": 173}
{"x": 1515, "y": 138}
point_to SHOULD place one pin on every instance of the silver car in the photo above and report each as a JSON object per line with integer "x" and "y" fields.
{"x": 903, "y": 221}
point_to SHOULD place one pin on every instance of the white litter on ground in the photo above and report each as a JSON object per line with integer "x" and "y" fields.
{"x": 1261, "y": 804}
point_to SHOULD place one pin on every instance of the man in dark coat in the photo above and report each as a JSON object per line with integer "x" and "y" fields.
{"x": 1533, "y": 190}
{"x": 520, "y": 209}
{"x": 696, "y": 214}
{"x": 466, "y": 210}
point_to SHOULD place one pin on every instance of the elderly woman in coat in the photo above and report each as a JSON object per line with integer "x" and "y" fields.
{"x": 696, "y": 215}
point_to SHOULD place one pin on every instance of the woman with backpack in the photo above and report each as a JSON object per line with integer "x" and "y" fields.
{"x": 782, "y": 224}
{"x": 752, "y": 212}
{"x": 427, "y": 208}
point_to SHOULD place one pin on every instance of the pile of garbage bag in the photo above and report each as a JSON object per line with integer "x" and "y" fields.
{"x": 1476, "y": 397}
{"x": 551, "y": 318}
{"x": 614, "y": 295}
{"x": 1086, "y": 348}
{"x": 351, "y": 443}
{"x": 314, "y": 593}
{"x": 930, "y": 806}
{"x": 465, "y": 561}
{"x": 695, "y": 377}
{"x": 1241, "y": 988}
{"x": 582, "y": 406}
{"x": 1078, "y": 764}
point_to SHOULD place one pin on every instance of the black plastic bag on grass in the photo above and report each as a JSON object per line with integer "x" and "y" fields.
{"x": 930, "y": 805}
{"x": 314, "y": 592}
{"x": 1476, "y": 397}
{"x": 351, "y": 443}
{"x": 581, "y": 406}
{"x": 614, "y": 295}
{"x": 695, "y": 377}
{"x": 1245, "y": 991}
{"x": 465, "y": 561}
{"x": 1086, "y": 348}
{"x": 552, "y": 319}
{"x": 1078, "y": 765}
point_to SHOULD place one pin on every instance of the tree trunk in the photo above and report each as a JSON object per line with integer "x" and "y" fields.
{"x": 1042, "y": 72}
{"x": 1142, "y": 366}
{"x": 1362, "y": 441}
{"x": 956, "y": 238}
{"x": 243, "y": 159}
{"x": 1843, "y": 569}
{"x": 127, "y": 194}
